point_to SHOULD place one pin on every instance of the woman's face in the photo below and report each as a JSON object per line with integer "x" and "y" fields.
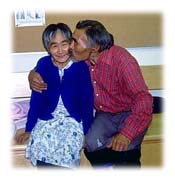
{"x": 60, "y": 50}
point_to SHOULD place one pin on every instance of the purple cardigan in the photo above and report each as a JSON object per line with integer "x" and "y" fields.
{"x": 75, "y": 88}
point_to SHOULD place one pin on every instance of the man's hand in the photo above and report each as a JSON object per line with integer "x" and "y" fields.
{"x": 36, "y": 82}
{"x": 119, "y": 143}
{"x": 22, "y": 138}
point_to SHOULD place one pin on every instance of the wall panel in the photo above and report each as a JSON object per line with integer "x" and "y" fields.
{"x": 129, "y": 30}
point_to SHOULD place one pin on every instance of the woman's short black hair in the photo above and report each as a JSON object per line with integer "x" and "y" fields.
{"x": 51, "y": 30}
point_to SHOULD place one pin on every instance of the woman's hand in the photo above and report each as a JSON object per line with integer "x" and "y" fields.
{"x": 22, "y": 138}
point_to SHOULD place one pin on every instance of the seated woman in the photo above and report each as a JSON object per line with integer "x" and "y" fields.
{"x": 61, "y": 115}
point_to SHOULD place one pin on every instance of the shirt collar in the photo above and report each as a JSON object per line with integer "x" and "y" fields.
{"x": 67, "y": 65}
{"x": 105, "y": 57}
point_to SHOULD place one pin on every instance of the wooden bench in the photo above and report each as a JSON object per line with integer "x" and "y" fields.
{"x": 152, "y": 145}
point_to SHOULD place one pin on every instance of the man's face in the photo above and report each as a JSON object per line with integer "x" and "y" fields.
{"x": 79, "y": 46}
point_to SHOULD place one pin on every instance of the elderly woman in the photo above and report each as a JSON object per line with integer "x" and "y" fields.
{"x": 60, "y": 115}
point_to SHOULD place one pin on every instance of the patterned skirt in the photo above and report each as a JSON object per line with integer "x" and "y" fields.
{"x": 58, "y": 141}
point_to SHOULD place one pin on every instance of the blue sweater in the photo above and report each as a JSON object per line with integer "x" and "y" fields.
{"x": 75, "y": 89}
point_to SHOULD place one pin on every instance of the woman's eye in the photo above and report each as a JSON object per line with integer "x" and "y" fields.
{"x": 54, "y": 46}
{"x": 65, "y": 44}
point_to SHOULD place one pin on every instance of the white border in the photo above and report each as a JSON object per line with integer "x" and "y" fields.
{"x": 167, "y": 7}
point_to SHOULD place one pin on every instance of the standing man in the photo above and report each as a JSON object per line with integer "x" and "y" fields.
{"x": 122, "y": 102}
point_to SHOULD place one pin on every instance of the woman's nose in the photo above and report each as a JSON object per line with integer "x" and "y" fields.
{"x": 60, "y": 49}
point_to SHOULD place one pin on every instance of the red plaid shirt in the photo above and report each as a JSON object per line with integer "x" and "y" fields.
{"x": 119, "y": 86}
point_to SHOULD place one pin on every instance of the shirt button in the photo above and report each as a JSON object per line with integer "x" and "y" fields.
{"x": 97, "y": 94}
{"x": 92, "y": 69}
{"x": 101, "y": 107}
{"x": 94, "y": 82}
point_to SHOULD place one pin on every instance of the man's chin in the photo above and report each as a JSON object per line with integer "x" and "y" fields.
{"x": 76, "y": 58}
{"x": 79, "y": 58}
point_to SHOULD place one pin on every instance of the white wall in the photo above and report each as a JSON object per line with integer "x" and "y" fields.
{"x": 24, "y": 62}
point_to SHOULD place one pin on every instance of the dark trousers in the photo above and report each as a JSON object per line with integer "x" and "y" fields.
{"x": 41, "y": 164}
{"x": 104, "y": 127}
{"x": 104, "y": 156}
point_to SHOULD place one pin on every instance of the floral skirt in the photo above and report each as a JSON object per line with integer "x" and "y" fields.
{"x": 57, "y": 141}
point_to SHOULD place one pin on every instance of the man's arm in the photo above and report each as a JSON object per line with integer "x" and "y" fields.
{"x": 141, "y": 108}
{"x": 36, "y": 82}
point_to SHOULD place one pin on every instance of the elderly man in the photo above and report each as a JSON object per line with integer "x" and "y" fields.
{"x": 122, "y": 102}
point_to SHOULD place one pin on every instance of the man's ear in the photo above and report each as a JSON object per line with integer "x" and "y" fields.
{"x": 95, "y": 48}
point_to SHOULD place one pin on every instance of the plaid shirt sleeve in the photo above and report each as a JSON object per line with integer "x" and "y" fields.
{"x": 141, "y": 108}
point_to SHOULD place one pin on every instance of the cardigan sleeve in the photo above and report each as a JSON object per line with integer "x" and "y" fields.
{"x": 35, "y": 101}
{"x": 33, "y": 113}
